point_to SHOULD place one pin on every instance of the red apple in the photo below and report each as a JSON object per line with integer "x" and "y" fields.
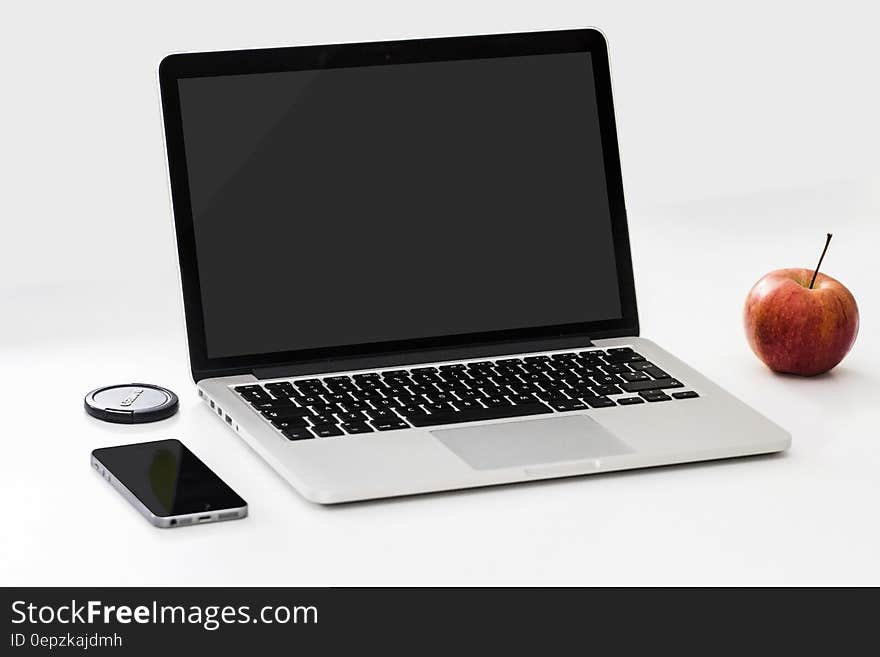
{"x": 796, "y": 327}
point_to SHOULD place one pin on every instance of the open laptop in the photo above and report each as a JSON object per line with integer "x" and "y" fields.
{"x": 406, "y": 268}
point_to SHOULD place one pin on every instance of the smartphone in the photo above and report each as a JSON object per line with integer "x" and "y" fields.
{"x": 168, "y": 484}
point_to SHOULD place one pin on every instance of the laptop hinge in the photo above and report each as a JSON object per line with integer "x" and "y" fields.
{"x": 326, "y": 366}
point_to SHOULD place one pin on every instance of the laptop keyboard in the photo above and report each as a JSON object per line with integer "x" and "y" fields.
{"x": 461, "y": 392}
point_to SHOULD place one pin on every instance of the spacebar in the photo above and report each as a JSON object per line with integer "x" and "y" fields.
{"x": 474, "y": 415}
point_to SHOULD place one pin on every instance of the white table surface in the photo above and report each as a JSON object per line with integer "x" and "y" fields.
{"x": 89, "y": 296}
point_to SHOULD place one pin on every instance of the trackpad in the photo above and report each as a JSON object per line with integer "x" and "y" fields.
{"x": 531, "y": 442}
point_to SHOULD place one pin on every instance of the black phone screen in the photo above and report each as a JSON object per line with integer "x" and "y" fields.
{"x": 168, "y": 478}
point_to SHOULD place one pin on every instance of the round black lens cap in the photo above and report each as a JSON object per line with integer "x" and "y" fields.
{"x": 131, "y": 403}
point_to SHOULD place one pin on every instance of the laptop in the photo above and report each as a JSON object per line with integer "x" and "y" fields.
{"x": 406, "y": 268}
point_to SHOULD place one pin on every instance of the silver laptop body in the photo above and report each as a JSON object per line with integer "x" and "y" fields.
{"x": 406, "y": 268}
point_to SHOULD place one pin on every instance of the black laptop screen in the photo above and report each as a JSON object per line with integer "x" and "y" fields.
{"x": 379, "y": 203}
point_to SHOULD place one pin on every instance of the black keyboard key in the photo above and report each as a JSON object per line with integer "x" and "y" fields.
{"x": 492, "y": 391}
{"x": 454, "y": 376}
{"x": 326, "y": 430}
{"x": 442, "y": 407}
{"x": 389, "y": 425}
{"x": 254, "y": 396}
{"x": 577, "y": 393}
{"x": 356, "y": 406}
{"x": 632, "y": 377}
{"x": 290, "y": 423}
{"x": 383, "y": 403}
{"x": 654, "y": 384}
{"x": 686, "y": 394}
{"x": 439, "y": 397}
{"x": 357, "y": 427}
{"x": 550, "y": 396}
{"x": 521, "y": 399}
{"x": 656, "y": 372}
{"x": 639, "y": 367}
{"x": 274, "y": 403}
{"x": 598, "y": 402}
{"x": 606, "y": 380}
{"x": 338, "y": 398}
{"x": 623, "y": 358}
{"x": 601, "y": 391}
{"x": 339, "y": 382}
{"x": 479, "y": 414}
{"x": 427, "y": 379}
{"x": 568, "y": 405}
{"x": 368, "y": 394}
{"x": 324, "y": 409}
{"x": 336, "y": 388}
{"x": 250, "y": 388}
{"x": 306, "y": 384}
{"x": 323, "y": 419}
{"x": 464, "y": 406}
{"x": 629, "y": 401}
{"x": 285, "y": 412}
{"x": 619, "y": 350}
{"x": 655, "y": 395}
{"x": 279, "y": 387}
{"x": 615, "y": 369}
{"x": 382, "y": 415}
{"x": 297, "y": 433}
{"x": 495, "y": 401}
{"x": 352, "y": 418}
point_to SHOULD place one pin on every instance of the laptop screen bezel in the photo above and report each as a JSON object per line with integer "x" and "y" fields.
{"x": 179, "y": 66}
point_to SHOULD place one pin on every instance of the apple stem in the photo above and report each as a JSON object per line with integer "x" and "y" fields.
{"x": 821, "y": 258}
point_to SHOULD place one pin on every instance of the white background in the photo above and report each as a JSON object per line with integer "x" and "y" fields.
{"x": 746, "y": 133}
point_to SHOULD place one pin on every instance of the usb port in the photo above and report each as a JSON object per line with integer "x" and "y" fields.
{"x": 203, "y": 518}
{"x": 228, "y": 420}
